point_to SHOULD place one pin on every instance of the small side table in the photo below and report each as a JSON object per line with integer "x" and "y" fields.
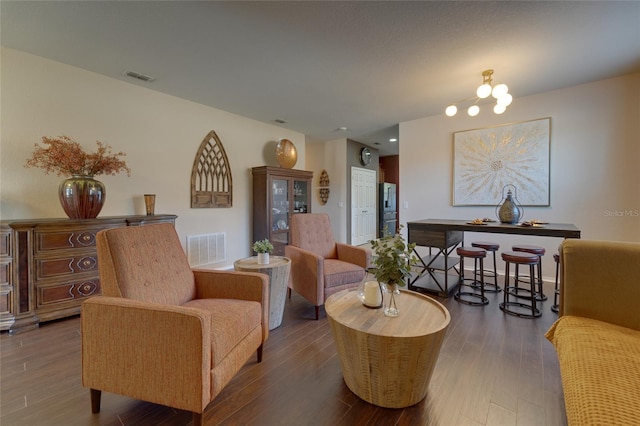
{"x": 278, "y": 271}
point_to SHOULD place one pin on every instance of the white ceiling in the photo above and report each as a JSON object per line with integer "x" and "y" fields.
{"x": 320, "y": 66}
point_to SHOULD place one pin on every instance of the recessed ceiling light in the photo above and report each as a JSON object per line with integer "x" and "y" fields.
{"x": 393, "y": 140}
{"x": 343, "y": 129}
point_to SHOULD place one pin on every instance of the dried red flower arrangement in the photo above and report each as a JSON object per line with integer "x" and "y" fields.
{"x": 66, "y": 157}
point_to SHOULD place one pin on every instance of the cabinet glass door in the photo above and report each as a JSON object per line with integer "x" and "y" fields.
{"x": 300, "y": 196}
{"x": 280, "y": 203}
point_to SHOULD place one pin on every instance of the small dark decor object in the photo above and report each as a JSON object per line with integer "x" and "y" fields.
{"x": 81, "y": 196}
{"x": 393, "y": 261}
{"x": 510, "y": 211}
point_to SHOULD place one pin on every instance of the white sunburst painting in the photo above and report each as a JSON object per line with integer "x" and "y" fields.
{"x": 486, "y": 160}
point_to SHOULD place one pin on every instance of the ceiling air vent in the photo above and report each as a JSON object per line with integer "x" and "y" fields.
{"x": 139, "y": 76}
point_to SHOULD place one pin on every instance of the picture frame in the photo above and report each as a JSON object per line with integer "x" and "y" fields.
{"x": 486, "y": 160}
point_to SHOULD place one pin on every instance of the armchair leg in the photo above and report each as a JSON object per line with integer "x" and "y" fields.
{"x": 95, "y": 400}
{"x": 317, "y": 312}
{"x": 260, "y": 353}
{"x": 197, "y": 419}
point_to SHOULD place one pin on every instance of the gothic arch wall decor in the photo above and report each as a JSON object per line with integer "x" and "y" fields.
{"x": 211, "y": 183}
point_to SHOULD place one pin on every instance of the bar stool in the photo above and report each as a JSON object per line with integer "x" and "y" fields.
{"x": 490, "y": 247}
{"x": 509, "y": 306}
{"x": 538, "y": 251}
{"x": 472, "y": 298}
{"x": 555, "y": 308}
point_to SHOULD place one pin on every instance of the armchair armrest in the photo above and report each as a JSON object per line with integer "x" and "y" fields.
{"x": 212, "y": 284}
{"x": 600, "y": 281}
{"x": 142, "y": 349}
{"x": 250, "y": 286}
{"x": 357, "y": 255}
{"x": 307, "y": 273}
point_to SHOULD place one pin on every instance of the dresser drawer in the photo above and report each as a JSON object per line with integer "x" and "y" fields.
{"x": 69, "y": 291}
{"x": 47, "y": 241}
{"x": 5, "y": 243}
{"x": 66, "y": 265}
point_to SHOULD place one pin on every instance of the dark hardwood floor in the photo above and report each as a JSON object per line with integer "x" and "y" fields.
{"x": 493, "y": 369}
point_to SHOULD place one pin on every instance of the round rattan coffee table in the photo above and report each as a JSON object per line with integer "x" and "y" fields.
{"x": 386, "y": 361}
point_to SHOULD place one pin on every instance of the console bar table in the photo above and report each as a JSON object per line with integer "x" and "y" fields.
{"x": 442, "y": 236}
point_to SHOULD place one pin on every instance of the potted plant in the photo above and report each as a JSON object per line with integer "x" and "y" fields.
{"x": 393, "y": 260}
{"x": 264, "y": 248}
{"x": 80, "y": 194}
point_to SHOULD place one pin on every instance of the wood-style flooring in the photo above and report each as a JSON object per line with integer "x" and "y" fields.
{"x": 494, "y": 369}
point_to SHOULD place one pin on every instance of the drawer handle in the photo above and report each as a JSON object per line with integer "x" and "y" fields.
{"x": 87, "y": 288}
{"x": 87, "y": 263}
{"x": 86, "y": 238}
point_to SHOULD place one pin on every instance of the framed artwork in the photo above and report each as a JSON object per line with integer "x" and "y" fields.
{"x": 486, "y": 160}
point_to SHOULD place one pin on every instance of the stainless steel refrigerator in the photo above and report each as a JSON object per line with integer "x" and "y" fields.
{"x": 388, "y": 216}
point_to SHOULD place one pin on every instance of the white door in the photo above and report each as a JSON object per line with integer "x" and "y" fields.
{"x": 363, "y": 205}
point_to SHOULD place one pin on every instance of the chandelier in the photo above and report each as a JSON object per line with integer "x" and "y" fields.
{"x": 500, "y": 92}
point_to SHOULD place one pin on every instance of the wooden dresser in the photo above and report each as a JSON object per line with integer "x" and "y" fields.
{"x": 49, "y": 266}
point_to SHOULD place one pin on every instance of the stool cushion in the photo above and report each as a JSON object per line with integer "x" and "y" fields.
{"x": 522, "y": 258}
{"x": 529, "y": 249}
{"x": 471, "y": 252}
{"x": 489, "y": 246}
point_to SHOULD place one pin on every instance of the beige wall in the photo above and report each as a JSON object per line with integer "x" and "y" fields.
{"x": 331, "y": 156}
{"x": 159, "y": 133}
{"x": 595, "y": 156}
{"x": 594, "y": 153}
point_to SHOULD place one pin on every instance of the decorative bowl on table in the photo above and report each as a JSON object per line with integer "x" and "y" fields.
{"x": 477, "y": 222}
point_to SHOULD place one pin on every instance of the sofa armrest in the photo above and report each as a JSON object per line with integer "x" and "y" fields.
{"x": 357, "y": 255}
{"x": 147, "y": 351}
{"x": 600, "y": 280}
{"x": 307, "y": 273}
{"x": 252, "y": 286}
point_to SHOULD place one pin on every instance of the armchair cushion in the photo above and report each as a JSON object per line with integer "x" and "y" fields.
{"x": 313, "y": 233}
{"x": 162, "y": 273}
{"x": 337, "y": 273}
{"x": 231, "y": 322}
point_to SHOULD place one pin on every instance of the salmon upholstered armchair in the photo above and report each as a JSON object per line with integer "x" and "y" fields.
{"x": 319, "y": 265}
{"x": 162, "y": 332}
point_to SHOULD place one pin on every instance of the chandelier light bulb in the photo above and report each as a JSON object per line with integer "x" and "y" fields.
{"x": 499, "y": 91}
{"x": 505, "y": 100}
{"x": 484, "y": 90}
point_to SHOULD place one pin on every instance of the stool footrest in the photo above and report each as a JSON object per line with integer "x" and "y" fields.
{"x": 481, "y": 300}
{"x": 506, "y": 307}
